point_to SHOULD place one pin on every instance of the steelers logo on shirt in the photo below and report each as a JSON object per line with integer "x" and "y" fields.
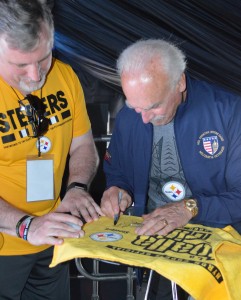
{"x": 174, "y": 190}
{"x": 45, "y": 144}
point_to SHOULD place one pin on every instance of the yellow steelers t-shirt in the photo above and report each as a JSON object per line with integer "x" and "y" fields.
{"x": 63, "y": 96}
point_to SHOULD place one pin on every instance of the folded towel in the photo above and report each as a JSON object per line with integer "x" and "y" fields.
{"x": 204, "y": 261}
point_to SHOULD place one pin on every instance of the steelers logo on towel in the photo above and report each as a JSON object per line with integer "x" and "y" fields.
{"x": 174, "y": 190}
{"x": 45, "y": 144}
{"x": 106, "y": 237}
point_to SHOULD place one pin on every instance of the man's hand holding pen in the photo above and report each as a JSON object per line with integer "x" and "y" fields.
{"x": 115, "y": 201}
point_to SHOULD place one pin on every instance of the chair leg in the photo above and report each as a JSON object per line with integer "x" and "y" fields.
{"x": 95, "y": 283}
{"x": 148, "y": 285}
{"x": 130, "y": 295}
{"x": 174, "y": 288}
{"x": 174, "y": 291}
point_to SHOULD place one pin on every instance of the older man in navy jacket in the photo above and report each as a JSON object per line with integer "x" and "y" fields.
{"x": 176, "y": 145}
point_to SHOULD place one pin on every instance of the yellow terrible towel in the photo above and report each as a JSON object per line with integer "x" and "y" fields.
{"x": 204, "y": 261}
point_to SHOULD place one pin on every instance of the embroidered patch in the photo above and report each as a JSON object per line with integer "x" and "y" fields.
{"x": 174, "y": 190}
{"x": 106, "y": 237}
{"x": 210, "y": 144}
{"x": 45, "y": 144}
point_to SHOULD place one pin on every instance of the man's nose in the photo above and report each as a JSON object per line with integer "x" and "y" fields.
{"x": 34, "y": 72}
{"x": 146, "y": 116}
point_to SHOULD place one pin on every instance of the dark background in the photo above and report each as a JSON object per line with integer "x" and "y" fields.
{"x": 90, "y": 34}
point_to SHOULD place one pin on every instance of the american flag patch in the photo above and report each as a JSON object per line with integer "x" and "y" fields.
{"x": 210, "y": 144}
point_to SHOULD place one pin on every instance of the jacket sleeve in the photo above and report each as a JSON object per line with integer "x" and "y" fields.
{"x": 117, "y": 160}
{"x": 214, "y": 177}
{"x": 224, "y": 207}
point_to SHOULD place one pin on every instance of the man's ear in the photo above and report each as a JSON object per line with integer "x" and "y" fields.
{"x": 182, "y": 83}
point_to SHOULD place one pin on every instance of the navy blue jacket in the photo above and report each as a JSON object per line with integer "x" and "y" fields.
{"x": 208, "y": 136}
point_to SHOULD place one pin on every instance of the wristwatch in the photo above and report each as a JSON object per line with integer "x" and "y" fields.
{"x": 77, "y": 185}
{"x": 191, "y": 205}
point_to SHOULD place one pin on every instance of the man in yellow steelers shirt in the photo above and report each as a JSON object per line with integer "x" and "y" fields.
{"x": 43, "y": 119}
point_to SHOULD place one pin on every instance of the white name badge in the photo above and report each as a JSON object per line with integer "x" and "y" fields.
{"x": 40, "y": 178}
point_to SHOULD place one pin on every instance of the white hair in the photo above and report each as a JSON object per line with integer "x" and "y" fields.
{"x": 141, "y": 54}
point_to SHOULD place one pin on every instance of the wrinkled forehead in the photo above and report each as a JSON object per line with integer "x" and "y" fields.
{"x": 42, "y": 47}
{"x": 17, "y": 58}
{"x": 145, "y": 89}
{"x": 152, "y": 79}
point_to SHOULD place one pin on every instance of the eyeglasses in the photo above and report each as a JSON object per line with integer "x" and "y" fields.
{"x": 34, "y": 108}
